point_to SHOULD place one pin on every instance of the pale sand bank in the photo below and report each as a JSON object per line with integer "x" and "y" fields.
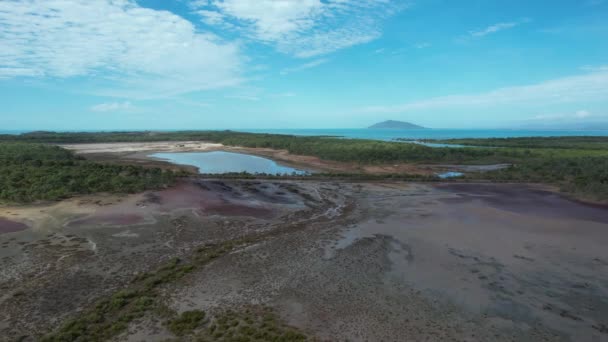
{"x": 161, "y": 146}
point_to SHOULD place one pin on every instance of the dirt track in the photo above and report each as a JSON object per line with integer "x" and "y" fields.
{"x": 381, "y": 261}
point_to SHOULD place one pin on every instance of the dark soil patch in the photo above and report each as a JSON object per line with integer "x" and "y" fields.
{"x": 109, "y": 219}
{"x": 8, "y": 226}
{"x": 239, "y": 210}
{"x": 527, "y": 200}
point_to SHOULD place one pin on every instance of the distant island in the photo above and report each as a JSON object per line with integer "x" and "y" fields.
{"x": 392, "y": 124}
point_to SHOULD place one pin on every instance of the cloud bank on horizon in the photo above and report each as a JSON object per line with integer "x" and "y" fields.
{"x": 126, "y": 64}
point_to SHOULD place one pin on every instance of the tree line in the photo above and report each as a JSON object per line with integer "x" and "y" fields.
{"x": 578, "y": 164}
{"x": 31, "y": 172}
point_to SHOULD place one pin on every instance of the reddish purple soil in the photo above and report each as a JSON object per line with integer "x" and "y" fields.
{"x": 212, "y": 197}
{"x": 109, "y": 219}
{"x": 7, "y": 226}
{"x": 239, "y": 210}
{"x": 186, "y": 195}
{"x": 527, "y": 200}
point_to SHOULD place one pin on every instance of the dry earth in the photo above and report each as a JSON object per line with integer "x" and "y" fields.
{"x": 342, "y": 261}
{"x": 138, "y": 153}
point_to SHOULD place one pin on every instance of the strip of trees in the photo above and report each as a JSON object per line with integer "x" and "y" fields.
{"x": 31, "y": 172}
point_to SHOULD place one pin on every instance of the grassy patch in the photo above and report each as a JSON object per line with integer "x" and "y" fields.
{"x": 253, "y": 323}
{"x": 185, "y": 323}
{"x": 111, "y": 316}
{"x": 575, "y": 142}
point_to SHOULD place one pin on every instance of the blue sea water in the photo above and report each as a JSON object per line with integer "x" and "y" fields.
{"x": 417, "y": 134}
{"x": 227, "y": 162}
{"x": 11, "y": 132}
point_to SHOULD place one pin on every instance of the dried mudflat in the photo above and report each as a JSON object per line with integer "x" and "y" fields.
{"x": 341, "y": 261}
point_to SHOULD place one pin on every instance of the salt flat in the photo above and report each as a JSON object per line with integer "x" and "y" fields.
{"x": 164, "y": 146}
{"x": 336, "y": 260}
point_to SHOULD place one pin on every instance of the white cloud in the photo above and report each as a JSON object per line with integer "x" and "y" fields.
{"x": 112, "y": 107}
{"x": 303, "y": 28}
{"x": 134, "y": 51}
{"x": 496, "y": 28}
{"x": 211, "y": 17}
{"x": 580, "y": 114}
{"x": 311, "y": 64}
{"x": 582, "y": 88}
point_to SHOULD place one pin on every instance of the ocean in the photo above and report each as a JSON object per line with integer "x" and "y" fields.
{"x": 391, "y": 134}
{"x": 418, "y": 134}
{"x": 11, "y": 132}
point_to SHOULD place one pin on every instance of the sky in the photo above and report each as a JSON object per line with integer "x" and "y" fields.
{"x": 246, "y": 64}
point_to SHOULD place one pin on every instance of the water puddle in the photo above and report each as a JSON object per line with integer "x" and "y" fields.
{"x": 450, "y": 174}
{"x": 217, "y": 162}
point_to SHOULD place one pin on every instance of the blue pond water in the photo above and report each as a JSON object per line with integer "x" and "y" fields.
{"x": 450, "y": 174}
{"x": 227, "y": 162}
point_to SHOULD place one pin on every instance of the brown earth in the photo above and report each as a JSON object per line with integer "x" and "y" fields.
{"x": 8, "y": 226}
{"x": 377, "y": 261}
{"x": 138, "y": 153}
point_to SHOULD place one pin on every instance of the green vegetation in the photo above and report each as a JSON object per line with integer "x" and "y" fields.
{"x": 579, "y": 142}
{"x": 328, "y": 148}
{"x": 576, "y": 164}
{"x": 111, "y": 316}
{"x": 585, "y": 176}
{"x": 30, "y": 172}
{"x": 251, "y": 324}
{"x": 185, "y": 323}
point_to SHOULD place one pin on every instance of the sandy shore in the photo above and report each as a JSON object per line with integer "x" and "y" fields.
{"x": 162, "y": 146}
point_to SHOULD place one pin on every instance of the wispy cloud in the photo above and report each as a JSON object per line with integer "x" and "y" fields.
{"x": 286, "y": 94}
{"x": 243, "y": 97}
{"x": 497, "y": 28}
{"x": 584, "y": 88}
{"x": 135, "y": 51}
{"x": 309, "y": 65}
{"x": 580, "y": 114}
{"x": 112, "y": 107}
{"x": 303, "y": 28}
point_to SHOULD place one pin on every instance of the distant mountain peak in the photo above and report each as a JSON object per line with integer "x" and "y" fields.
{"x": 393, "y": 124}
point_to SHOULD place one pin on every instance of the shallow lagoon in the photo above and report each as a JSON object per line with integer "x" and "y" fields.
{"x": 227, "y": 162}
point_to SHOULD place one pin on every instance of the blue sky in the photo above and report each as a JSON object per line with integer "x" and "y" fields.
{"x": 230, "y": 64}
